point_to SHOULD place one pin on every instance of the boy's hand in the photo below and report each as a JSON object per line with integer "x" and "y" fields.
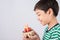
{"x": 30, "y": 34}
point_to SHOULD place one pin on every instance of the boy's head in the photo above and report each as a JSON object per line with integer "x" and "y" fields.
{"x": 46, "y": 10}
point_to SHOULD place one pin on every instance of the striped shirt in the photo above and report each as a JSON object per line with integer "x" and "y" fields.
{"x": 53, "y": 33}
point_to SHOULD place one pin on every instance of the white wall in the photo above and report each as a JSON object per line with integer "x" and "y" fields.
{"x": 14, "y": 14}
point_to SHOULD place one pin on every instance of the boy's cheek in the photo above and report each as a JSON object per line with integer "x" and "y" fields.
{"x": 44, "y": 22}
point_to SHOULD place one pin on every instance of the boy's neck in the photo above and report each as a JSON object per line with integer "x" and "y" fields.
{"x": 52, "y": 23}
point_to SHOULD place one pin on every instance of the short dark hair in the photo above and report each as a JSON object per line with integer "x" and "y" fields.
{"x": 46, "y": 4}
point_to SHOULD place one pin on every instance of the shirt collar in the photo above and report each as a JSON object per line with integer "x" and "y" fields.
{"x": 52, "y": 27}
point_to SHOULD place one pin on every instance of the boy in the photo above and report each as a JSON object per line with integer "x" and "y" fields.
{"x": 47, "y": 11}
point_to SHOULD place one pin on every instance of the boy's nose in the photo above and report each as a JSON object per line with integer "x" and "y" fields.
{"x": 38, "y": 19}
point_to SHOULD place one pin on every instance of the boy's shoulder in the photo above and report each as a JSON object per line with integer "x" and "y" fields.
{"x": 56, "y": 28}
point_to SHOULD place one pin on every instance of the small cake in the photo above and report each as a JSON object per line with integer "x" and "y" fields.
{"x": 28, "y": 32}
{"x": 27, "y": 29}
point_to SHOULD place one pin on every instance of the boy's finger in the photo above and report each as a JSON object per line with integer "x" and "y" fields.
{"x": 26, "y": 38}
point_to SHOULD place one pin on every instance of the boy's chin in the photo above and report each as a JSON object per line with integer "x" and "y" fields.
{"x": 43, "y": 24}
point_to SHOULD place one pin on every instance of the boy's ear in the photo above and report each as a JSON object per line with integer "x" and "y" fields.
{"x": 50, "y": 11}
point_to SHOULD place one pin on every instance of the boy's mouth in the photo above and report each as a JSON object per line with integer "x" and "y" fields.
{"x": 40, "y": 20}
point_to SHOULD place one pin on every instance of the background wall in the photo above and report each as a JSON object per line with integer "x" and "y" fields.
{"x": 14, "y": 14}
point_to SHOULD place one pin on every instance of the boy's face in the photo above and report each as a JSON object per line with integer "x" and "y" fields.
{"x": 43, "y": 17}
